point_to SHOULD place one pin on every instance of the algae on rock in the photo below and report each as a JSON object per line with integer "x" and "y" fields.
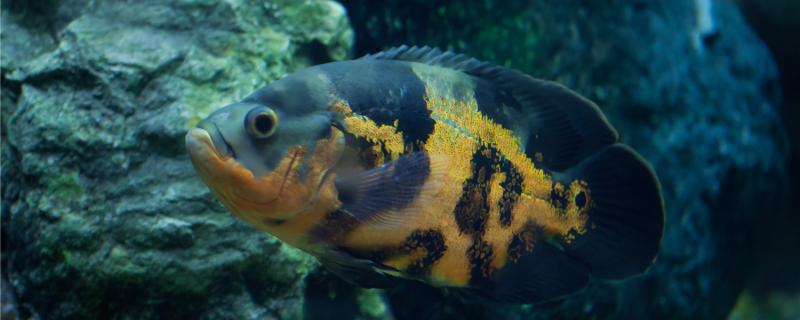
{"x": 103, "y": 215}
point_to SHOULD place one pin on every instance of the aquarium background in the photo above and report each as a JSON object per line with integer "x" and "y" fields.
{"x": 103, "y": 216}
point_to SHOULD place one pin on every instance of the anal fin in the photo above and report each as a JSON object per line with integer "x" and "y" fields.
{"x": 545, "y": 273}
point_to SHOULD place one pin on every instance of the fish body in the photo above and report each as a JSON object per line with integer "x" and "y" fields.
{"x": 428, "y": 165}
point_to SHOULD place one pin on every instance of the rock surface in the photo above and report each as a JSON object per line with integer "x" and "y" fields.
{"x": 103, "y": 216}
{"x": 685, "y": 82}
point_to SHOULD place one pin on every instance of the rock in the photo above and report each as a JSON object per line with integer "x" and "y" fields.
{"x": 778, "y": 305}
{"x": 8, "y": 305}
{"x": 103, "y": 215}
{"x": 685, "y": 82}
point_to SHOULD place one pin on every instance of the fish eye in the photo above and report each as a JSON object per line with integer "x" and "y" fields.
{"x": 261, "y": 122}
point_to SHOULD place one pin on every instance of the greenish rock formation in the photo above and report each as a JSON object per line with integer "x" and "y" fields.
{"x": 103, "y": 216}
{"x": 685, "y": 82}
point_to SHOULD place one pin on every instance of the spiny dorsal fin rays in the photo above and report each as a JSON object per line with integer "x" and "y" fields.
{"x": 434, "y": 56}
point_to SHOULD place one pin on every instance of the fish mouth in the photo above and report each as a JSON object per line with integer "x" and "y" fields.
{"x": 200, "y": 144}
{"x": 209, "y": 140}
{"x": 218, "y": 137}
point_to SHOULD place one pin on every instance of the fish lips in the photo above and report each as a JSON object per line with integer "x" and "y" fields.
{"x": 199, "y": 144}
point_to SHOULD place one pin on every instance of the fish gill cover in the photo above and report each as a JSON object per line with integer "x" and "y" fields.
{"x": 103, "y": 216}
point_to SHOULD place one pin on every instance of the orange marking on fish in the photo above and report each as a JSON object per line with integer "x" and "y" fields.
{"x": 304, "y": 201}
{"x": 379, "y": 135}
{"x": 496, "y": 235}
{"x": 533, "y": 204}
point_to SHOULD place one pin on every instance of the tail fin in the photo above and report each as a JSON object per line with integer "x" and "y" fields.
{"x": 626, "y": 220}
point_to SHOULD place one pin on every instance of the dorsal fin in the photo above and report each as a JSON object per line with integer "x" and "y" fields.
{"x": 436, "y": 57}
{"x": 564, "y": 127}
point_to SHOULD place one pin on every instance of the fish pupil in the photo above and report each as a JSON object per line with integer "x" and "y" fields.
{"x": 263, "y": 123}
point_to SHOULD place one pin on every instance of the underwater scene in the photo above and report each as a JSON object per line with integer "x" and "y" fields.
{"x": 400, "y": 159}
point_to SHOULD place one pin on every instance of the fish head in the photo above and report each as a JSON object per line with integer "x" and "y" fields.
{"x": 265, "y": 162}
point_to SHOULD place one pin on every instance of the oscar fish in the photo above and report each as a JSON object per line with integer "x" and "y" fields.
{"x": 428, "y": 165}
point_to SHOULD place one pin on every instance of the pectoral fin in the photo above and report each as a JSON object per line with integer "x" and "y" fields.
{"x": 392, "y": 195}
{"x": 361, "y": 272}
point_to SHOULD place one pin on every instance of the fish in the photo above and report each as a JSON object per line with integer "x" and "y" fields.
{"x": 426, "y": 165}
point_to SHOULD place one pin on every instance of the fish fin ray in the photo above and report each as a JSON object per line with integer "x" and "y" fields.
{"x": 361, "y": 272}
{"x": 389, "y": 196}
{"x": 625, "y": 214}
{"x": 543, "y": 274}
{"x": 432, "y": 56}
{"x": 565, "y": 127}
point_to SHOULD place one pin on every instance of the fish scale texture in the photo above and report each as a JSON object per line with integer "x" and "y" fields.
{"x": 686, "y": 83}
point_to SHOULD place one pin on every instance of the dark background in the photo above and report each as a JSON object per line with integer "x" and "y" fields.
{"x": 778, "y": 24}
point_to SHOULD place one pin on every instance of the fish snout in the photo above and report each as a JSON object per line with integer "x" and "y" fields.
{"x": 199, "y": 143}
